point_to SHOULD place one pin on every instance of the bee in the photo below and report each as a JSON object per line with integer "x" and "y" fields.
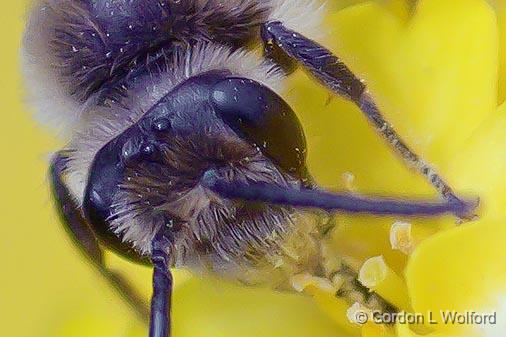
{"x": 181, "y": 151}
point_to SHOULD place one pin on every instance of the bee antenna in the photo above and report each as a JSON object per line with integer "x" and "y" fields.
{"x": 312, "y": 198}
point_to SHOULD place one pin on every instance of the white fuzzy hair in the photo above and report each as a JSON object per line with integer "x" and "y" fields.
{"x": 303, "y": 16}
{"x": 47, "y": 94}
{"x": 104, "y": 124}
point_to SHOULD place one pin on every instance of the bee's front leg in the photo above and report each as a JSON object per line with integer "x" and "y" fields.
{"x": 282, "y": 43}
{"x": 160, "y": 321}
{"x": 84, "y": 238}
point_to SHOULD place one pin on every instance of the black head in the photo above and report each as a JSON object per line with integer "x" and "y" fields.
{"x": 234, "y": 126}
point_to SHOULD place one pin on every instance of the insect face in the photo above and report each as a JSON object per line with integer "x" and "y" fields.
{"x": 150, "y": 175}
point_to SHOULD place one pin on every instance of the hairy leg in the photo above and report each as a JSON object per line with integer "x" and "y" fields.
{"x": 333, "y": 73}
{"x": 160, "y": 321}
{"x": 84, "y": 238}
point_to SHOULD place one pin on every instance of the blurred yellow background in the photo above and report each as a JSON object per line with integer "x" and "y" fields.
{"x": 436, "y": 78}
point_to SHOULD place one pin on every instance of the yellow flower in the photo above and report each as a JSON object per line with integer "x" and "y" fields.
{"x": 435, "y": 75}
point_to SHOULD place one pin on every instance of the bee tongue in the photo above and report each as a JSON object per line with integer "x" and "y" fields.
{"x": 311, "y": 198}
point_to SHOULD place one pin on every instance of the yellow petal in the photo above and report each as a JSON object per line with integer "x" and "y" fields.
{"x": 500, "y": 8}
{"x": 206, "y": 308}
{"x": 377, "y": 330}
{"x": 460, "y": 269}
{"x": 376, "y": 275}
{"x": 403, "y": 330}
{"x": 336, "y": 309}
{"x": 439, "y": 69}
{"x": 401, "y": 8}
{"x": 480, "y": 167}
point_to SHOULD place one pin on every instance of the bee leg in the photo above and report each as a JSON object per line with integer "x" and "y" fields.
{"x": 160, "y": 321}
{"x": 329, "y": 70}
{"x": 276, "y": 54}
{"x": 84, "y": 238}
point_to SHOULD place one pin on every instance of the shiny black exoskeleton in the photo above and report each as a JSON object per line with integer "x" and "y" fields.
{"x": 250, "y": 109}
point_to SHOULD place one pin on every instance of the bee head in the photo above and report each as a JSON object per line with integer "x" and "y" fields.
{"x": 151, "y": 174}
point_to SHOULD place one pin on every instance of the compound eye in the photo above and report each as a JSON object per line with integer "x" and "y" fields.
{"x": 263, "y": 118}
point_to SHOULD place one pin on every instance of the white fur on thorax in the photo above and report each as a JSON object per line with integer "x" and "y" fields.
{"x": 46, "y": 93}
{"x": 302, "y": 16}
{"x": 104, "y": 124}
